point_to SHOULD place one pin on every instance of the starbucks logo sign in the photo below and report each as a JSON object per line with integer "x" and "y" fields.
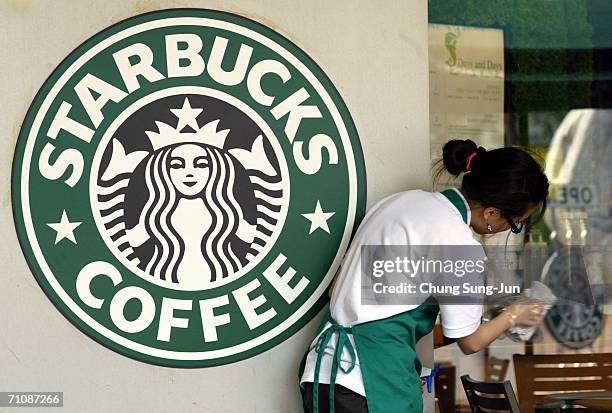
{"x": 185, "y": 185}
{"x": 577, "y": 319}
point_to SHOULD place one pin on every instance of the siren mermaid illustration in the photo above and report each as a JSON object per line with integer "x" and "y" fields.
{"x": 191, "y": 219}
{"x": 191, "y": 214}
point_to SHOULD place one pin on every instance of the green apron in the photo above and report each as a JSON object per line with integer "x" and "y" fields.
{"x": 387, "y": 357}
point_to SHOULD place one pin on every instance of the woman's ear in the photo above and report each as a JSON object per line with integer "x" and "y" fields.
{"x": 490, "y": 212}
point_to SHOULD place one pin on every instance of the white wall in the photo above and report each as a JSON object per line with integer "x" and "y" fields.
{"x": 376, "y": 55}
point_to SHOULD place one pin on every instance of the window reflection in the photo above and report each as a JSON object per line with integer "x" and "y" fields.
{"x": 557, "y": 103}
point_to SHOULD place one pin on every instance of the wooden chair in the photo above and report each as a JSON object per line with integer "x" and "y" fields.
{"x": 496, "y": 369}
{"x": 438, "y": 336}
{"x": 445, "y": 387}
{"x": 540, "y": 375}
{"x": 484, "y": 397}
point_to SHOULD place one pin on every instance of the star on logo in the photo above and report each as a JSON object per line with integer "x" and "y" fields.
{"x": 187, "y": 116}
{"x": 64, "y": 228}
{"x": 318, "y": 219}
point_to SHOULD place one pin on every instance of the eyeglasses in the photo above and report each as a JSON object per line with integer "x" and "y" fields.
{"x": 515, "y": 228}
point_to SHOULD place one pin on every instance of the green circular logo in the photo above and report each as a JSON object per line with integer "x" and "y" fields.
{"x": 185, "y": 185}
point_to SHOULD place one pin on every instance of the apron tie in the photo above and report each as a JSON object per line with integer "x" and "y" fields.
{"x": 320, "y": 346}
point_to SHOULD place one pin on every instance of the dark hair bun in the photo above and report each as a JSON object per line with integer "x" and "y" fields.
{"x": 507, "y": 178}
{"x": 455, "y": 153}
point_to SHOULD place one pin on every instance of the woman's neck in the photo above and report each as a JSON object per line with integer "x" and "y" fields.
{"x": 472, "y": 205}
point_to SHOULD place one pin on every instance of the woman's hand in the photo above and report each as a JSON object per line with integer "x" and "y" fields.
{"x": 525, "y": 314}
{"x": 516, "y": 314}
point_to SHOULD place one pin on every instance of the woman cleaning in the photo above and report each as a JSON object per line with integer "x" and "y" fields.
{"x": 363, "y": 358}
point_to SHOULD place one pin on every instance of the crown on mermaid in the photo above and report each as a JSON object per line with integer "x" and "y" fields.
{"x": 167, "y": 135}
{"x": 122, "y": 162}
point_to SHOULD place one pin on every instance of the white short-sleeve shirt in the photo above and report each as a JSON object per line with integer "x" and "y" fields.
{"x": 413, "y": 217}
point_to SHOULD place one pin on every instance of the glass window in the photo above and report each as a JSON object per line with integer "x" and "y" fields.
{"x": 538, "y": 74}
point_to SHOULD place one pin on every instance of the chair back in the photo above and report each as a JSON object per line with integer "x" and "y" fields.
{"x": 485, "y": 397}
{"x": 538, "y": 376}
{"x": 496, "y": 369}
{"x": 445, "y": 387}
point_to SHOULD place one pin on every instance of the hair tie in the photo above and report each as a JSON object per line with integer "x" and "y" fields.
{"x": 469, "y": 161}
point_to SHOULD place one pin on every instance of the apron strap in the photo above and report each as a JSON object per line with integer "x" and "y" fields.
{"x": 455, "y": 198}
{"x": 320, "y": 346}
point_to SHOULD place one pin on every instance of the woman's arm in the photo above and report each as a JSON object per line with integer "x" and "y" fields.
{"x": 516, "y": 314}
